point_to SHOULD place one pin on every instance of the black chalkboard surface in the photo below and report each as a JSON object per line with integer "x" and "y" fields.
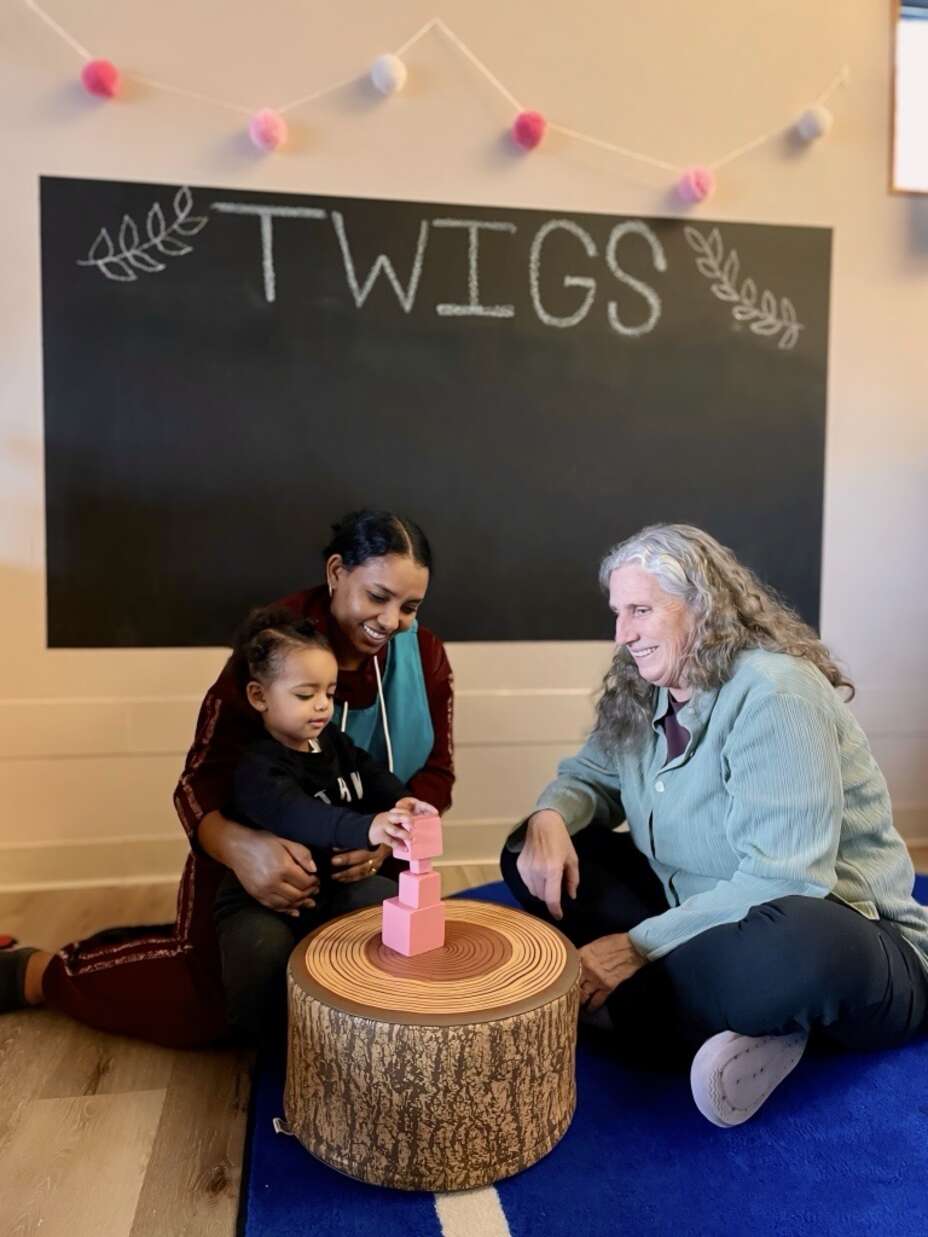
{"x": 226, "y": 372}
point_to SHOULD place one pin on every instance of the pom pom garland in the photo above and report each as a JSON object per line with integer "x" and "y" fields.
{"x": 101, "y": 78}
{"x": 267, "y": 129}
{"x": 388, "y": 73}
{"x": 814, "y": 123}
{"x": 528, "y": 129}
{"x": 695, "y": 185}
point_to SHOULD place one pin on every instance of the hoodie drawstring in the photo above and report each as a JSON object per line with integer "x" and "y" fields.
{"x": 383, "y": 715}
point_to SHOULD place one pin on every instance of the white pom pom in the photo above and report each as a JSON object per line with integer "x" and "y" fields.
{"x": 814, "y": 123}
{"x": 388, "y": 73}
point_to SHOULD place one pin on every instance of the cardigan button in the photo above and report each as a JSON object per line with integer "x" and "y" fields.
{"x": 659, "y": 787}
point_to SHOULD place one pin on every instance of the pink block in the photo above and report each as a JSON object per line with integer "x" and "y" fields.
{"x": 411, "y": 931}
{"x": 419, "y": 889}
{"x": 426, "y": 839}
{"x": 420, "y": 865}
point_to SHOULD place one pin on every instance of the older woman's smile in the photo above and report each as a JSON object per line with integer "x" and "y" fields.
{"x": 643, "y": 611}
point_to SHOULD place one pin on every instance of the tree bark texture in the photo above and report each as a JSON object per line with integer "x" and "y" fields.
{"x": 443, "y": 1072}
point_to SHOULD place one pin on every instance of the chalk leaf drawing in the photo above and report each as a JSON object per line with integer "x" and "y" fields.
{"x": 763, "y": 311}
{"x": 123, "y": 258}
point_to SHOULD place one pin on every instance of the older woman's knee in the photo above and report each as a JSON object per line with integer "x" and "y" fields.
{"x": 798, "y": 939}
{"x": 756, "y": 975}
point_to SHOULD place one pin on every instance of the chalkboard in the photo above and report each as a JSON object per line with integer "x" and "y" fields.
{"x": 226, "y": 372}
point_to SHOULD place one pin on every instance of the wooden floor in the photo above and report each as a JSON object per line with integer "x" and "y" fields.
{"x": 108, "y": 1137}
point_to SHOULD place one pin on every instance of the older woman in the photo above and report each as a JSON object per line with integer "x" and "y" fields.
{"x": 760, "y": 894}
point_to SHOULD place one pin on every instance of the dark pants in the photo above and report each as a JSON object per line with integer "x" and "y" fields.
{"x": 255, "y": 943}
{"x": 795, "y": 963}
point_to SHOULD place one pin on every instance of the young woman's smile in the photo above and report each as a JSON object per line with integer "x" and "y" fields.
{"x": 372, "y": 602}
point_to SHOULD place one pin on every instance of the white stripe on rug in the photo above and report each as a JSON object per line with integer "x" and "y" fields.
{"x": 471, "y": 1213}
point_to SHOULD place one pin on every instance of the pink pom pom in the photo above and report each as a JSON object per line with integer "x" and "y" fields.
{"x": 101, "y": 78}
{"x": 528, "y": 129}
{"x": 695, "y": 185}
{"x": 267, "y": 129}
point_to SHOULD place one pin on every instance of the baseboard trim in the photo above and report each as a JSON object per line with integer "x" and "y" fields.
{"x": 155, "y": 859}
{"x": 86, "y": 862}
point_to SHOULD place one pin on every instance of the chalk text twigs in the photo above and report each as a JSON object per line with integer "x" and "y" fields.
{"x": 361, "y": 284}
{"x": 124, "y": 258}
{"x": 766, "y": 314}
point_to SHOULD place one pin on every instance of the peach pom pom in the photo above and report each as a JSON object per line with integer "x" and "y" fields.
{"x": 528, "y": 129}
{"x": 695, "y": 185}
{"x": 101, "y": 78}
{"x": 267, "y": 129}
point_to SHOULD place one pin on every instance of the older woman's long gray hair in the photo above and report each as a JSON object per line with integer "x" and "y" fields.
{"x": 733, "y": 611}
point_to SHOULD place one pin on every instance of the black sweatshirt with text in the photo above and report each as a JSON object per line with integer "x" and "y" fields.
{"x": 325, "y": 799}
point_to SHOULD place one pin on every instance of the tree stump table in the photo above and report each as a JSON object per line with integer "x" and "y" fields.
{"x": 445, "y": 1071}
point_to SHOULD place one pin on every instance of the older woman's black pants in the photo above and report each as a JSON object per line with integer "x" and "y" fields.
{"x": 796, "y": 963}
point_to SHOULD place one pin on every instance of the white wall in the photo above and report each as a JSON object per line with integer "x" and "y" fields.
{"x": 90, "y": 741}
{"x": 910, "y": 149}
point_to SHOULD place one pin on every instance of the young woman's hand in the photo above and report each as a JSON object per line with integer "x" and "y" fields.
{"x": 548, "y": 862}
{"x": 390, "y": 828}
{"x": 279, "y": 874}
{"x": 276, "y": 872}
{"x": 357, "y": 865}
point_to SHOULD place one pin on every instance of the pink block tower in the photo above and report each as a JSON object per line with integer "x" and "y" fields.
{"x": 414, "y": 922}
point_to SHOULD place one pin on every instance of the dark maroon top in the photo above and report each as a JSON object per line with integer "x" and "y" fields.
{"x": 677, "y": 736}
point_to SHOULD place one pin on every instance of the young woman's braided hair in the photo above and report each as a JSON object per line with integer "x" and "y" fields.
{"x": 369, "y": 533}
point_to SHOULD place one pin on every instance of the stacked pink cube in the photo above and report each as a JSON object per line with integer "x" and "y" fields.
{"x": 414, "y": 922}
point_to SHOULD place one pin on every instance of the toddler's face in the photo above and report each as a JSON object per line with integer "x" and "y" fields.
{"x": 297, "y": 704}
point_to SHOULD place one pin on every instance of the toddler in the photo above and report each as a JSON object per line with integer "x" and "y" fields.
{"x": 305, "y": 781}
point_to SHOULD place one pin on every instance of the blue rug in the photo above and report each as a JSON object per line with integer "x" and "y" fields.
{"x": 840, "y": 1150}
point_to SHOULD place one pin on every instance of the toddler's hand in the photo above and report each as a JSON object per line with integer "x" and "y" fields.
{"x": 418, "y": 807}
{"x": 390, "y": 828}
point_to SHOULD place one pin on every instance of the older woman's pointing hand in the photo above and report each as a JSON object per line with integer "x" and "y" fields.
{"x": 548, "y": 862}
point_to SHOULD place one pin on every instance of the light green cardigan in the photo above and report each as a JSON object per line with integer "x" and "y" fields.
{"x": 777, "y": 793}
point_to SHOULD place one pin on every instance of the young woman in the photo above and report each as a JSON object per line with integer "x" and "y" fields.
{"x": 394, "y": 698}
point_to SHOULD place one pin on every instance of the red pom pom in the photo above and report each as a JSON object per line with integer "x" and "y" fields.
{"x": 100, "y": 77}
{"x": 528, "y": 129}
